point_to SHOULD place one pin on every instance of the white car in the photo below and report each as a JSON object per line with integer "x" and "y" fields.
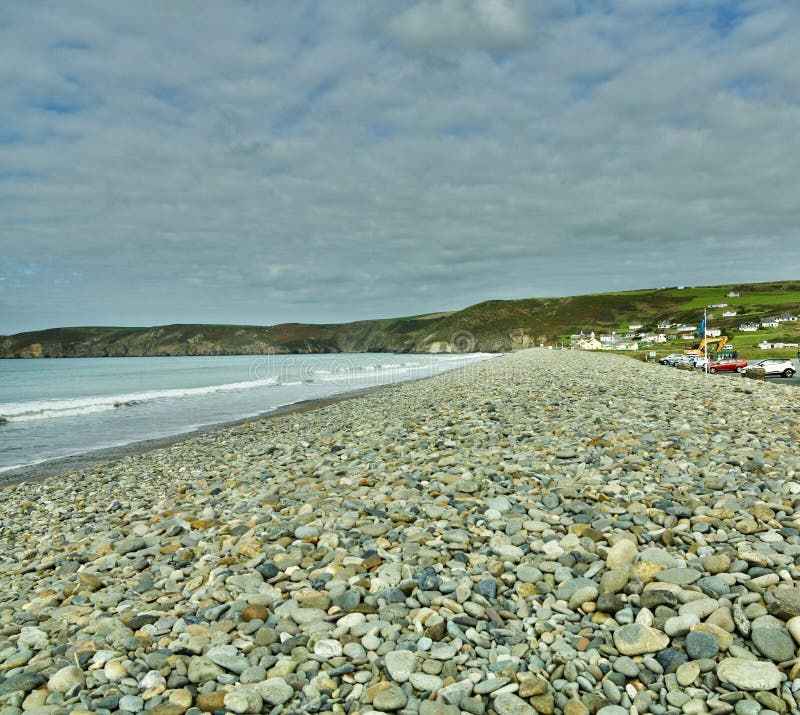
{"x": 783, "y": 367}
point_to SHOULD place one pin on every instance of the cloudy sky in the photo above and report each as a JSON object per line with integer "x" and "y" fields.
{"x": 266, "y": 161}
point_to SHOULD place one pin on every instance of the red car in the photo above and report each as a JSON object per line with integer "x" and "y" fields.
{"x": 727, "y": 365}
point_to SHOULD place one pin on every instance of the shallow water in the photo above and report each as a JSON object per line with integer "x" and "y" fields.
{"x": 61, "y": 407}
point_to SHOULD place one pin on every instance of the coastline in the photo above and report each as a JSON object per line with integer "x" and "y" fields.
{"x": 510, "y": 537}
{"x": 85, "y": 460}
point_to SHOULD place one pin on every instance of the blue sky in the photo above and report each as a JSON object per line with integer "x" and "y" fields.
{"x": 259, "y": 163}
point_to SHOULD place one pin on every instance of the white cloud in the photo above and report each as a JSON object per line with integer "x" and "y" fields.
{"x": 491, "y": 25}
{"x": 249, "y": 163}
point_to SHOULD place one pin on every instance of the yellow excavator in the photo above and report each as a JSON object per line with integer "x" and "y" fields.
{"x": 699, "y": 349}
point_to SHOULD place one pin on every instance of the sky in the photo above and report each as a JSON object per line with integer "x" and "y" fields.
{"x": 260, "y": 161}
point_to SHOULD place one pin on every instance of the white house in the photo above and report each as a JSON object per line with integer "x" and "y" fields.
{"x": 728, "y": 313}
{"x": 770, "y": 323}
{"x": 635, "y": 326}
{"x": 590, "y": 344}
{"x": 765, "y": 345}
{"x": 687, "y": 328}
{"x": 687, "y": 336}
{"x": 713, "y": 332}
{"x": 718, "y": 305}
{"x": 786, "y": 318}
{"x": 665, "y": 325}
{"x": 608, "y": 340}
{"x": 733, "y": 294}
{"x": 748, "y": 327}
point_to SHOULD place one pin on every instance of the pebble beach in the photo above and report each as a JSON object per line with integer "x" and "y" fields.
{"x": 544, "y": 532}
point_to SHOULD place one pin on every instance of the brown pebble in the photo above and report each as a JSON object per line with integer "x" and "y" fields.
{"x": 255, "y": 612}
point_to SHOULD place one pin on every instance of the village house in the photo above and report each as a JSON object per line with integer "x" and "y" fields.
{"x": 728, "y": 313}
{"x": 718, "y": 305}
{"x": 786, "y": 318}
{"x": 665, "y": 325}
{"x": 770, "y": 323}
{"x": 608, "y": 340}
{"x": 733, "y": 294}
{"x": 687, "y": 328}
{"x": 591, "y": 343}
{"x": 713, "y": 332}
{"x": 766, "y": 345}
{"x": 635, "y": 326}
{"x": 748, "y": 327}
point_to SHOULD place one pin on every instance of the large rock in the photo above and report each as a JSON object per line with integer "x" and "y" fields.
{"x": 636, "y": 639}
{"x": 510, "y": 704}
{"x": 783, "y": 603}
{"x": 749, "y": 674}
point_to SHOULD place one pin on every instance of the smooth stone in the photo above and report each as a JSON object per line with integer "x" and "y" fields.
{"x": 749, "y": 674}
{"x": 66, "y": 678}
{"x": 701, "y": 645}
{"x": 687, "y": 673}
{"x": 425, "y": 683}
{"x": 510, "y": 704}
{"x": 774, "y": 643}
{"x": 243, "y": 701}
{"x": 22, "y": 682}
{"x": 435, "y": 707}
{"x": 679, "y": 576}
{"x": 400, "y": 664}
{"x": 327, "y": 648}
{"x": 391, "y": 698}
{"x": 680, "y": 625}
{"x": 636, "y": 639}
{"x": 275, "y": 691}
{"x": 784, "y": 603}
{"x": 623, "y": 553}
{"x": 793, "y": 626}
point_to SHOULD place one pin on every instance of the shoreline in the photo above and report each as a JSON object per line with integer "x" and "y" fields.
{"x": 511, "y": 537}
{"x": 58, "y": 466}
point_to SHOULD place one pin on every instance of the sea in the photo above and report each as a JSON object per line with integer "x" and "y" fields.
{"x": 56, "y": 408}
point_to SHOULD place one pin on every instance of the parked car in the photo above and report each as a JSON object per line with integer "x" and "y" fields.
{"x": 727, "y": 365}
{"x": 783, "y": 367}
{"x": 682, "y": 360}
{"x": 700, "y": 362}
{"x": 667, "y": 359}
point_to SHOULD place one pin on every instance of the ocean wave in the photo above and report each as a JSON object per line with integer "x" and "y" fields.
{"x": 48, "y": 409}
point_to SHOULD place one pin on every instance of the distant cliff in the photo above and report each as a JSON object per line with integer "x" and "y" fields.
{"x": 492, "y": 326}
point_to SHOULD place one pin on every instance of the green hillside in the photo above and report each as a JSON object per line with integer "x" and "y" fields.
{"x": 496, "y": 325}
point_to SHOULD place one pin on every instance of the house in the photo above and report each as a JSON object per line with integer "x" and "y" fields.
{"x": 687, "y": 336}
{"x": 713, "y": 332}
{"x": 609, "y": 340}
{"x": 748, "y": 327}
{"x": 728, "y": 313}
{"x": 770, "y": 323}
{"x": 786, "y": 318}
{"x": 635, "y": 326}
{"x": 627, "y": 346}
{"x": 590, "y": 344}
{"x": 653, "y": 338}
{"x": 718, "y": 305}
{"x": 687, "y": 328}
{"x": 765, "y": 345}
{"x": 665, "y": 325}
{"x": 733, "y": 294}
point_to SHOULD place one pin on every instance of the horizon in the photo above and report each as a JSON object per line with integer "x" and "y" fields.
{"x": 254, "y": 165}
{"x": 402, "y": 317}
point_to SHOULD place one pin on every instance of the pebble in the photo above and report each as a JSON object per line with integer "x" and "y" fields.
{"x": 544, "y": 532}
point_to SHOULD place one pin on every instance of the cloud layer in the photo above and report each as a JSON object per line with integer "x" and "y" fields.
{"x": 260, "y": 163}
